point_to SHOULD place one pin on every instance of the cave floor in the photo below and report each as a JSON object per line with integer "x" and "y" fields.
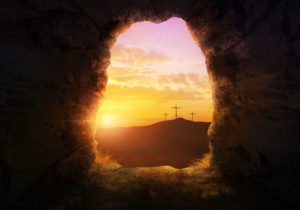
{"x": 164, "y": 187}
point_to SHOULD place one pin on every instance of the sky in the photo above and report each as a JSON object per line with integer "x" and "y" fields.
{"x": 153, "y": 67}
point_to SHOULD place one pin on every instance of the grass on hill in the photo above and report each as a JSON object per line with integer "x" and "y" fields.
{"x": 105, "y": 158}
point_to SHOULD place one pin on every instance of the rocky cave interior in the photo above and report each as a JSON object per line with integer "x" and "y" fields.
{"x": 54, "y": 56}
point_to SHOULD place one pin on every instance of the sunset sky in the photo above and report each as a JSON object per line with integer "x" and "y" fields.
{"x": 153, "y": 67}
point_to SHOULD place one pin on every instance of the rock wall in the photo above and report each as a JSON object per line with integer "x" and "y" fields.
{"x": 53, "y": 60}
{"x": 251, "y": 50}
{"x": 51, "y": 82}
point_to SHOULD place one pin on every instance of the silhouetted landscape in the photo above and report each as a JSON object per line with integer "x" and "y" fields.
{"x": 175, "y": 142}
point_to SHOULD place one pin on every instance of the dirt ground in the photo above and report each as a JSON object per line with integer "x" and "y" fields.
{"x": 115, "y": 187}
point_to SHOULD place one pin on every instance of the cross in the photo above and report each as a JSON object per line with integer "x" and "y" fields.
{"x": 176, "y": 107}
{"x": 165, "y": 114}
{"x": 193, "y": 113}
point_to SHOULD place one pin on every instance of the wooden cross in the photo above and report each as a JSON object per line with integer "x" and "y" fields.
{"x": 176, "y": 108}
{"x": 192, "y": 115}
{"x": 165, "y": 114}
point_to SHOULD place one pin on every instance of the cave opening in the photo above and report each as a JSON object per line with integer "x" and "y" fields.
{"x": 53, "y": 71}
{"x": 155, "y": 68}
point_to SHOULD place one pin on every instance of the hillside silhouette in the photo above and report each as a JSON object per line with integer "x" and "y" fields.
{"x": 175, "y": 142}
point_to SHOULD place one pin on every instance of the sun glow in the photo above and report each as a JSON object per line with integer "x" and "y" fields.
{"x": 107, "y": 121}
{"x": 153, "y": 67}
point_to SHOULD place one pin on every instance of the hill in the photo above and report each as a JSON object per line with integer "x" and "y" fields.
{"x": 173, "y": 142}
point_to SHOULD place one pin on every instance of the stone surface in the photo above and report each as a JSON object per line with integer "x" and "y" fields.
{"x": 53, "y": 58}
{"x": 113, "y": 187}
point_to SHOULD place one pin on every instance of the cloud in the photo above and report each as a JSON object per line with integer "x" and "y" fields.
{"x": 145, "y": 77}
{"x": 190, "y": 80}
{"x": 180, "y": 78}
{"x": 137, "y": 56}
{"x": 116, "y": 70}
{"x": 130, "y": 76}
{"x": 198, "y": 81}
{"x": 121, "y": 93}
{"x": 133, "y": 79}
{"x": 113, "y": 71}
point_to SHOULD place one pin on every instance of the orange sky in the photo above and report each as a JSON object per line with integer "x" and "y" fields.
{"x": 153, "y": 67}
